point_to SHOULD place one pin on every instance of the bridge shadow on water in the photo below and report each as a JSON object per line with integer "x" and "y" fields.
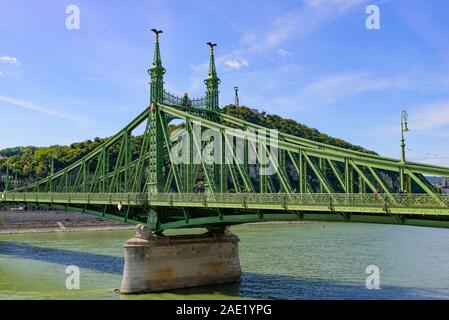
{"x": 252, "y": 285}
{"x": 279, "y": 287}
{"x": 86, "y": 260}
{"x": 268, "y": 286}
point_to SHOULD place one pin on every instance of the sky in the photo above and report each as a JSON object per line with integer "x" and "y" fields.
{"x": 314, "y": 61}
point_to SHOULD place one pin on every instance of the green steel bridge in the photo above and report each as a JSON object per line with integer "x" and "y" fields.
{"x": 195, "y": 166}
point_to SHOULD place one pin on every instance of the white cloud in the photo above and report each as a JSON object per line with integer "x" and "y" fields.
{"x": 313, "y": 14}
{"x": 295, "y": 23}
{"x": 334, "y": 87}
{"x": 34, "y": 107}
{"x": 236, "y": 63}
{"x": 431, "y": 116}
{"x": 285, "y": 53}
{"x": 8, "y": 59}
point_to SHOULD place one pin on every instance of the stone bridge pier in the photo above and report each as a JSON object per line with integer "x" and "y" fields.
{"x": 158, "y": 263}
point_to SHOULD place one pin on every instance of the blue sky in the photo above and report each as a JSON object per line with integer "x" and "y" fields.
{"x": 312, "y": 60}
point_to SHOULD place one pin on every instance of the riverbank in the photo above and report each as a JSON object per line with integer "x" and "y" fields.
{"x": 42, "y": 221}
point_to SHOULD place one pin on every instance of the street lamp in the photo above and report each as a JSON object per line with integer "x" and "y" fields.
{"x": 404, "y": 128}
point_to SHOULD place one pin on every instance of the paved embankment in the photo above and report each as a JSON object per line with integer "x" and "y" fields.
{"x": 53, "y": 221}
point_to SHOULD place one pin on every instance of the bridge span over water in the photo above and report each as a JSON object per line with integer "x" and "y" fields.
{"x": 183, "y": 162}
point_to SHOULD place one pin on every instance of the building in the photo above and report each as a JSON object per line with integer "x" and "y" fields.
{"x": 445, "y": 182}
{"x": 445, "y": 185}
{"x": 440, "y": 182}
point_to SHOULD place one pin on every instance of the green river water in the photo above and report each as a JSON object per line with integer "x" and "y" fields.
{"x": 280, "y": 261}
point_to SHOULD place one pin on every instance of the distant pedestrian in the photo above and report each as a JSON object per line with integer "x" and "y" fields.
{"x": 377, "y": 191}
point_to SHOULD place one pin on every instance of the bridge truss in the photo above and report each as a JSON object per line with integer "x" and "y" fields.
{"x": 184, "y": 163}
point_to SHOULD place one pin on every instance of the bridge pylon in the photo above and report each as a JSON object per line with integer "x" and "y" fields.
{"x": 158, "y": 263}
{"x": 156, "y": 121}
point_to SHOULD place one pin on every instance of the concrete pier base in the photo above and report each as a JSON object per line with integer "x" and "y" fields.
{"x": 154, "y": 263}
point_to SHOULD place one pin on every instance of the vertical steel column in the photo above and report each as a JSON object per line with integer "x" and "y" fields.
{"x": 66, "y": 178}
{"x": 187, "y": 158}
{"x": 52, "y": 172}
{"x": 85, "y": 175}
{"x": 103, "y": 169}
{"x": 305, "y": 174}
{"x": 223, "y": 167}
{"x": 127, "y": 168}
{"x": 156, "y": 161}
{"x": 322, "y": 168}
{"x": 301, "y": 173}
{"x": 401, "y": 178}
{"x": 262, "y": 176}
{"x": 347, "y": 177}
{"x": 212, "y": 82}
{"x": 246, "y": 152}
{"x": 7, "y": 179}
{"x": 362, "y": 185}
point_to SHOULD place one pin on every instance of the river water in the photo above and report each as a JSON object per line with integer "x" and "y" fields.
{"x": 279, "y": 261}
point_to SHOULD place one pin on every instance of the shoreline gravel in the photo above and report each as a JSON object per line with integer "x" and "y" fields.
{"x": 43, "y": 221}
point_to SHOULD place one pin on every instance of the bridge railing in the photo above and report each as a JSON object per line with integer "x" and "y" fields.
{"x": 101, "y": 198}
{"x": 241, "y": 199}
{"x": 171, "y": 99}
{"x": 408, "y": 200}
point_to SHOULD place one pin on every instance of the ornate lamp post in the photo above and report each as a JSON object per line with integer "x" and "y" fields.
{"x": 404, "y": 128}
{"x": 404, "y": 183}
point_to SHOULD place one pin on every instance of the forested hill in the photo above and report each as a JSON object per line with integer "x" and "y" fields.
{"x": 32, "y": 163}
{"x": 288, "y": 126}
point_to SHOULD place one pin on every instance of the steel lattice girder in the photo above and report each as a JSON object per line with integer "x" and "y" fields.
{"x": 102, "y": 176}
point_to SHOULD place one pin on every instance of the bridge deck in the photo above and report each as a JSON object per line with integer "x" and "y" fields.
{"x": 353, "y": 203}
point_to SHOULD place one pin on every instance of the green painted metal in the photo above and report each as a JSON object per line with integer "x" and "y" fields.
{"x": 212, "y": 82}
{"x": 156, "y": 162}
{"x": 145, "y": 183}
{"x": 404, "y": 128}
